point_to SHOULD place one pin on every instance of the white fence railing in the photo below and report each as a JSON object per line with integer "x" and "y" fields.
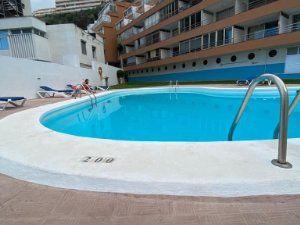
{"x": 20, "y": 45}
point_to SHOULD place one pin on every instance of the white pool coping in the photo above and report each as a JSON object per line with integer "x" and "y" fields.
{"x": 31, "y": 152}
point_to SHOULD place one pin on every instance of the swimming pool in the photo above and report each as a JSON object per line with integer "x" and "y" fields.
{"x": 169, "y": 115}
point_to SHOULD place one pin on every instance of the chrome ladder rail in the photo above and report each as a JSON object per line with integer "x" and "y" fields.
{"x": 283, "y": 124}
{"x": 291, "y": 110}
{"x": 90, "y": 94}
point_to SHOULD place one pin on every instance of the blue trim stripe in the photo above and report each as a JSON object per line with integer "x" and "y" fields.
{"x": 232, "y": 73}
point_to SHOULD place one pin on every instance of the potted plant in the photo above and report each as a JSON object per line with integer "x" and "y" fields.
{"x": 122, "y": 76}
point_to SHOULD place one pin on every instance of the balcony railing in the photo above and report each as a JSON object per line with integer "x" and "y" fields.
{"x": 18, "y": 45}
{"x": 153, "y": 59}
{"x": 251, "y": 5}
{"x": 248, "y": 37}
{"x": 259, "y": 3}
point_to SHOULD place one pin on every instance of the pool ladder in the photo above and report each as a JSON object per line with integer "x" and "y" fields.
{"x": 285, "y": 111}
{"x": 91, "y": 95}
{"x": 172, "y": 86}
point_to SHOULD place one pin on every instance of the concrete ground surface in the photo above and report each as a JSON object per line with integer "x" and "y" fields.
{"x": 23, "y": 203}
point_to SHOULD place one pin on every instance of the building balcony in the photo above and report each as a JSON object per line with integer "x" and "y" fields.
{"x": 198, "y": 29}
{"x": 26, "y": 45}
{"x": 191, "y": 52}
{"x": 246, "y": 6}
{"x": 258, "y": 3}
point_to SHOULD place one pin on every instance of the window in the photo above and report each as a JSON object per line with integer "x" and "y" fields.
{"x": 94, "y": 52}
{"x": 174, "y": 67}
{"x": 183, "y": 65}
{"x": 15, "y": 31}
{"x": 228, "y": 35}
{"x": 83, "y": 47}
{"x": 233, "y": 58}
{"x": 4, "y": 40}
{"x": 152, "y": 38}
{"x": 225, "y": 13}
{"x": 296, "y": 22}
{"x": 205, "y": 62}
{"x": 293, "y": 51}
{"x": 251, "y": 56}
{"x": 27, "y": 31}
{"x": 185, "y": 24}
{"x": 39, "y": 32}
{"x": 272, "y": 53}
{"x": 218, "y": 60}
{"x": 196, "y": 20}
{"x": 147, "y": 70}
{"x": 169, "y": 10}
{"x": 166, "y": 68}
{"x": 158, "y": 69}
{"x": 194, "y": 64}
{"x": 205, "y": 41}
{"x": 184, "y": 47}
{"x": 271, "y": 28}
{"x": 220, "y": 38}
{"x": 195, "y": 44}
{"x": 212, "y": 39}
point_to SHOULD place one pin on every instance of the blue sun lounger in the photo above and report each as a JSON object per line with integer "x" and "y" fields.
{"x": 50, "y": 92}
{"x": 14, "y": 101}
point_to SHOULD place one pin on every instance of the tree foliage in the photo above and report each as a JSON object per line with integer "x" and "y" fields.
{"x": 81, "y": 18}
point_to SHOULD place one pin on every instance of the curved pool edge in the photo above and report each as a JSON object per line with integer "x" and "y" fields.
{"x": 138, "y": 162}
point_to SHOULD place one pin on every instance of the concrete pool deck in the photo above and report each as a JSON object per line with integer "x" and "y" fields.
{"x": 23, "y": 203}
{"x": 47, "y": 157}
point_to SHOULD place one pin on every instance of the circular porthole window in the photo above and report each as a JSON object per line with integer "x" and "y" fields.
{"x": 183, "y": 65}
{"x": 272, "y": 53}
{"x": 233, "y": 58}
{"x": 194, "y": 64}
{"x": 205, "y": 62}
{"x": 251, "y": 56}
{"x": 218, "y": 60}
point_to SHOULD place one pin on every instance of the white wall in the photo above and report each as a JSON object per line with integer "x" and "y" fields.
{"x": 22, "y": 22}
{"x": 65, "y": 44}
{"x": 22, "y": 77}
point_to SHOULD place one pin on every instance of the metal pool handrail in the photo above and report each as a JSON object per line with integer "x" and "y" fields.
{"x": 284, "y": 105}
{"x": 291, "y": 110}
{"x": 90, "y": 95}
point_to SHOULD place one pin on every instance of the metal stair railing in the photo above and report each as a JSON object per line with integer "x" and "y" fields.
{"x": 291, "y": 110}
{"x": 283, "y": 124}
{"x": 90, "y": 94}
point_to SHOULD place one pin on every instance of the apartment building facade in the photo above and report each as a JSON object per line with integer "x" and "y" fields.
{"x": 76, "y": 5}
{"x": 69, "y": 6}
{"x": 105, "y": 26}
{"x": 211, "y": 40}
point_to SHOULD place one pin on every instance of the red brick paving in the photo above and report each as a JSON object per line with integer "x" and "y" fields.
{"x": 24, "y": 203}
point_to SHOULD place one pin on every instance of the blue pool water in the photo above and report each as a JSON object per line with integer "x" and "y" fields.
{"x": 190, "y": 114}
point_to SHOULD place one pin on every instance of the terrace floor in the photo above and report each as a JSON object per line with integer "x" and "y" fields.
{"x": 24, "y": 203}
